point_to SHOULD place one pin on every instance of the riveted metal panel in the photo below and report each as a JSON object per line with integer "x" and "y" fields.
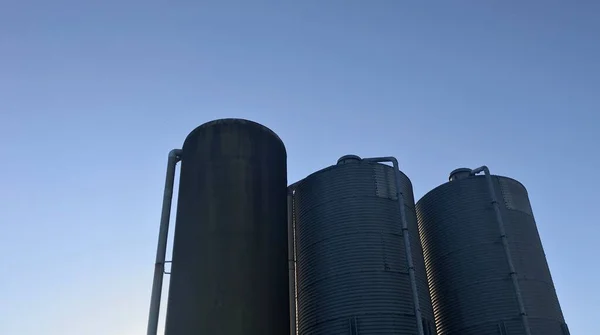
{"x": 469, "y": 276}
{"x": 352, "y": 275}
{"x": 513, "y": 195}
{"x": 230, "y": 272}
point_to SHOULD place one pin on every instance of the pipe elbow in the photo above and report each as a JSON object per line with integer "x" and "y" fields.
{"x": 483, "y": 169}
{"x": 390, "y": 159}
{"x": 175, "y": 154}
{"x": 394, "y": 162}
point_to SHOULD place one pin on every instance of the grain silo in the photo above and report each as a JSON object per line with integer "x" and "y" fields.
{"x": 229, "y": 271}
{"x": 359, "y": 265}
{"x": 487, "y": 270}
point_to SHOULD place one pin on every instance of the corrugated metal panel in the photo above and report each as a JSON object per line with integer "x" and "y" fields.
{"x": 230, "y": 274}
{"x": 469, "y": 276}
{"x": 352, "y": 275}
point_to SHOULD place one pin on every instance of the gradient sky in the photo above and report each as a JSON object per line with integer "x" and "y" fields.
{"x": 93, "y": 95}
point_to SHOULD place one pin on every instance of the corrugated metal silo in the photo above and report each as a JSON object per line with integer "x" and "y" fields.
{"x": 229, "y": 271}
{"x": 487, "y": 270}
{"x": 351, "y": 265}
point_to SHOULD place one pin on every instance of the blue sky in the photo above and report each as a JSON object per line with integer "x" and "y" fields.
{"x": 93, "y": 95}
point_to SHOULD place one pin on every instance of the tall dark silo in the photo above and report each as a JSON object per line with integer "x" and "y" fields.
{"x": 487, "y": 269}
{"x": 229, "y": 272}
{"x": 352, "y": 269}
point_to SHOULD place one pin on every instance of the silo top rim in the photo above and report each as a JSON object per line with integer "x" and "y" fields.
{"x": 234, "y": 121}
{"x": 450, "y": 183}
{"x": 342, "y": 165}
{"x": 348, "y": 159}
{"x": 459, "y": 173}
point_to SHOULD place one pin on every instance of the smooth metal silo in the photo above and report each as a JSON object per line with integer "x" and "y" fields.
{"x": 354, "y": 272}
{"x": 229, "y": 272}
{"x": 486, "y": 266}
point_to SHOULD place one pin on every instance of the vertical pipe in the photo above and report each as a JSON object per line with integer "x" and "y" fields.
{"x": 406, "y": 235}
{"x": 161, "y": 250}
{"x": 291, "y": 259}
{"x": 511, "y": 266}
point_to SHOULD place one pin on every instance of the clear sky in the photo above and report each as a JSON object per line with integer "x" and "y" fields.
{"x": 93, "y": 95}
